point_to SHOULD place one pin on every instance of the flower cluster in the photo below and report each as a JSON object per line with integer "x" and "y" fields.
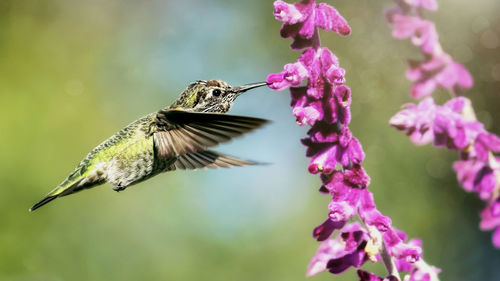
{"x": 452, "y": 125}
{"x": 437, "y": 68}
{"x": 321, "y": 100}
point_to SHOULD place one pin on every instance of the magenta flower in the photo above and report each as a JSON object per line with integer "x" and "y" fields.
{"x": 490, "y": 219}
{"x": 484, "y": 143}
{"x": 416, "y": 121}
{"x": 441, "y": 71}
{"x": 452, "y": 125}
{"x": 337, "y": 255}
{"x": 453, "y": 130}
{"x": 301, "y": 19}
{"x": 324, "y": 104}
{"x": 422, "y": 32}
{"x": 445, "y": 125}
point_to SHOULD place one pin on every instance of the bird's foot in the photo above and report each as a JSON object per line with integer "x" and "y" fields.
{"x": 119, "y": 188}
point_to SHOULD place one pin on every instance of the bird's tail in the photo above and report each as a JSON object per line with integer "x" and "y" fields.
{"x": 44, "y": 201}
{"x": 59, "y": 191}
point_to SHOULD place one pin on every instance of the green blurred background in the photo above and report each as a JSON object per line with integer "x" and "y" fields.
{"x": 74, "y": 72}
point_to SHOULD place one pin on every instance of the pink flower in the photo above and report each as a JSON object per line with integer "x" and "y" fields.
{"x": 292, "y": 75}
{"x": 301, "y": 19}
{"x": 416, "y": 121}
{"x": 324, "y": 104}
{"x": 422, "y": 32}
{"x": 484, "y": 143}
{"x": 340, "y": 253}
{"x": 490, "y": 219}
{"x": 439, "y": 70}
{"x": 287, "y": 13}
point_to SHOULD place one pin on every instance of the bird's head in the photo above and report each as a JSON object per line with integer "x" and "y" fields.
{"x": 211, "y": 96}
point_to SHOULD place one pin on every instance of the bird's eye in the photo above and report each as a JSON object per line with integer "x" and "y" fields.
{"x": 216, "y": 92}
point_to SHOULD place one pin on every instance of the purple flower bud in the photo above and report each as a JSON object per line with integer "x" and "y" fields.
{"x": 324, "y": 161}
{"x": 340, "y": 106}
{"x": 327, "y": 59}
{"x": 341, "y": 211}
{"x": 485, "y": 182}
{"x": 406, "y": 252}
{"x": 409, "y": 252}
{"x": 375, "y": 218}
{"x": 484, "y": 143}
{"x": 369, "y": 213}
{"x": 454, "y": 74}
{"x": 326, "y": 250}
{"x": 416, "y": 121}
{"x": 341, "y": 264}
{"x": 466, "y": 172}
{"x": 356, "y": 177}
{"x": 292, "y": 75}
{"x": 286, "y": 13}
{"x": 307, "y": 112}
{"x": 423, "y": 88}
{"x": 490, "y": 216}
{"x": 422, "y": 32}
{"x": 328, "y": 18}
{"x": 325, "y": 230}
{"x": 277, "y": 81}
{"x": 335, "y": 75}
{"x": 302, "y": 18}
{"x": 457, "y": 104}
{"x": 353, "y": 235}
{"x": 453, "y": 130}
{"x": 337, "y": 185}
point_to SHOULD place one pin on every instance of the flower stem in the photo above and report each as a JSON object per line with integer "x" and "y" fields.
{"x": 389, "y": 263}
{"x": 316, "y": 43}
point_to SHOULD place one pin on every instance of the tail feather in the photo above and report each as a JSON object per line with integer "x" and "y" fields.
{"x": 42, "y": 202}
{"x": 58, "y": 192}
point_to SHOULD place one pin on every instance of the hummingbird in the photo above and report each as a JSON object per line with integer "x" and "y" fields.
{"x": 176, "y": 137}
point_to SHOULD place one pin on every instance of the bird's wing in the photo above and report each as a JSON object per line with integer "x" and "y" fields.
{"x": 178, "y": 132}
{"x": 208, "y": 159}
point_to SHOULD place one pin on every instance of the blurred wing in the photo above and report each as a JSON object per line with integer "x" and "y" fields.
{"x": 180, "y": 132}
{"x": 209, "y": 159}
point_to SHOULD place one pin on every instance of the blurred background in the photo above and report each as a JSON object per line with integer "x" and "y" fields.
{"x": 74, "y": 72}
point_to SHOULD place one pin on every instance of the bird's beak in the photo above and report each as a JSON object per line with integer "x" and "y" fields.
{"x": 241, "y": 89}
